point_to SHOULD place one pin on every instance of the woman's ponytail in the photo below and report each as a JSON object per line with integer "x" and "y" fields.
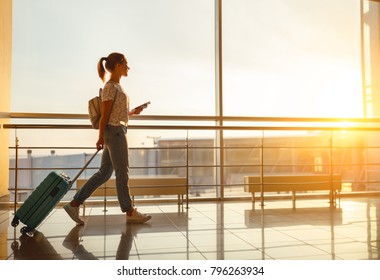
{"x": 101, "y": 70}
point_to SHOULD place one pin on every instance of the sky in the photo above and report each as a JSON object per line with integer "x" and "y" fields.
{"x": 298, "y": 58}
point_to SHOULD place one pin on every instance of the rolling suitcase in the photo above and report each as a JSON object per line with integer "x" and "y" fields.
{"x": 43, "y": 199}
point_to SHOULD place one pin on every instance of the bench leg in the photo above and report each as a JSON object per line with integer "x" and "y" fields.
{"x": 339, "y": 197}
{"x": 337, "y": 194}
{"x": 294, "y": 199}
{"x": 333, "y": 195}
{"x": 84, "y": 209}
{"x": 105, "y": 204}
{"x": 181, "y": 201}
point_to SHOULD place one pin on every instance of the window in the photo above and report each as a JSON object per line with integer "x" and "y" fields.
{"x": 292, "y": 58}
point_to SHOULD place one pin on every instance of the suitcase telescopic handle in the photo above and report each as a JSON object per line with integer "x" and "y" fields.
{"x": 84, "y": 167}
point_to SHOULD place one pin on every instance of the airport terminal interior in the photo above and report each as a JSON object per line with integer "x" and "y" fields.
{"x": 243, "y": 91}
{"x": 206, "y": 231}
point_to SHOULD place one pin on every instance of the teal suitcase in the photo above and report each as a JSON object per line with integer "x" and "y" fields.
{"x": 44, "y": 199}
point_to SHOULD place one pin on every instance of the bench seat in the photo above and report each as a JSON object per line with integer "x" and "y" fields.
{"x": 139, "y": 186}
{"x": 293, "y": 183}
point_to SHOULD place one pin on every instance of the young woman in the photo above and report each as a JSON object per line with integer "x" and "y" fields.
{"x": 112, "y": 138}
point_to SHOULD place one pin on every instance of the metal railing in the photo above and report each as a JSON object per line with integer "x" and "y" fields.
{"x": 257, "y": 155}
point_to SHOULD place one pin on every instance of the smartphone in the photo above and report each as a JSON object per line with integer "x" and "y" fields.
{"x": 143, "y": 106}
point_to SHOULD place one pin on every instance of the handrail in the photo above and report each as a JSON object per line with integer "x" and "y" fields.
{"x": 203, "y": 123}
{"x": 297, "y": 123}
{"x": 197, "y": 127}
{"x": 24, "y": 115}
{"x": 18, "y": 115}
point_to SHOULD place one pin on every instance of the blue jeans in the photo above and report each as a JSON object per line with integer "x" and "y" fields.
{"x": 115, "y": 157}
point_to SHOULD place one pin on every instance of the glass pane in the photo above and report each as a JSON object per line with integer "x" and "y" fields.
{"x": 292, "y": 58}
{"x": 169, "y": 46}
{"x": 371, "y": 64}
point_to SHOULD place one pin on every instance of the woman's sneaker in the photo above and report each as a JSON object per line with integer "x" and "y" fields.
{"x": 73, "y": 213}
{"x": 137, "y": 218}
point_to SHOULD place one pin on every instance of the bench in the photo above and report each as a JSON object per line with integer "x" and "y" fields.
{"x": 145, "y": 186}
{"x": 293, "y": 183}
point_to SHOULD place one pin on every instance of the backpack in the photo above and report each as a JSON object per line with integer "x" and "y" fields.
{"x": 94, "y": 110}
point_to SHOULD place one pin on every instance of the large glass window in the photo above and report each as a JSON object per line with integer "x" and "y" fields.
{"x": 287, "y": 58}
{"x": 292, "y": 58}
{"x": 169, "y": 45}
{"x": 371, "y": 54}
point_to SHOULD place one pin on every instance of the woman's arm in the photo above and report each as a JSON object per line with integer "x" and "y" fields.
{"x": 105, "y": 116}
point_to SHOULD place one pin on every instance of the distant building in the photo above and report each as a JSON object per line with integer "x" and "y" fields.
{"x": 306, "y": 154}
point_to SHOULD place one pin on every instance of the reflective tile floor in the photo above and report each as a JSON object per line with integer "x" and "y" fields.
{"x": 212, "y": 231}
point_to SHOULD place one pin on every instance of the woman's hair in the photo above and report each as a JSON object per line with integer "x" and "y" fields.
{"x": 111, "y": 61}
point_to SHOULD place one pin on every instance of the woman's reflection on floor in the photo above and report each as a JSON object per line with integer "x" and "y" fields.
{"x": 38, "y": 247}
{"x": 72, "y": 242}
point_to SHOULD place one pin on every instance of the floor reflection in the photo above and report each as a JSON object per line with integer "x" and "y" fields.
{"x": 207, "y": 231}
{"x": 36, "y": 247}
{"x": 74, "y": 244}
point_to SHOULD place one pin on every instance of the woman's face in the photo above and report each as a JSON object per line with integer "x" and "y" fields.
{"x": 123, "y": 67}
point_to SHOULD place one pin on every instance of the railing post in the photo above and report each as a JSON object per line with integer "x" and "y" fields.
{"x": 16, "y": 174}
{"x": 187, "y": 171}
{"x": 219, "y": 98}
{"x": 332, "y": 188}
{"x": 262, "y": 170}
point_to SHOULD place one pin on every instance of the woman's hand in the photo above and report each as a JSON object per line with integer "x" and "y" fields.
{"x": 100, "y": 144}
{"x": 136, "y": 111}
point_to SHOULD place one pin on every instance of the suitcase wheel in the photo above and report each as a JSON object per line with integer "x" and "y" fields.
{"x": 15, "y": 245}
{"x": 27, "y": 231}
{"x": 15, "y": 221}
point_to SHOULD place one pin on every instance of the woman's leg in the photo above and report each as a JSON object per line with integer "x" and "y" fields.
{"x": 91, "y": 185}
{"x": 96, "y": 180}
{"x": 117, "y": 144}
{"x": 118, "y": 147}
